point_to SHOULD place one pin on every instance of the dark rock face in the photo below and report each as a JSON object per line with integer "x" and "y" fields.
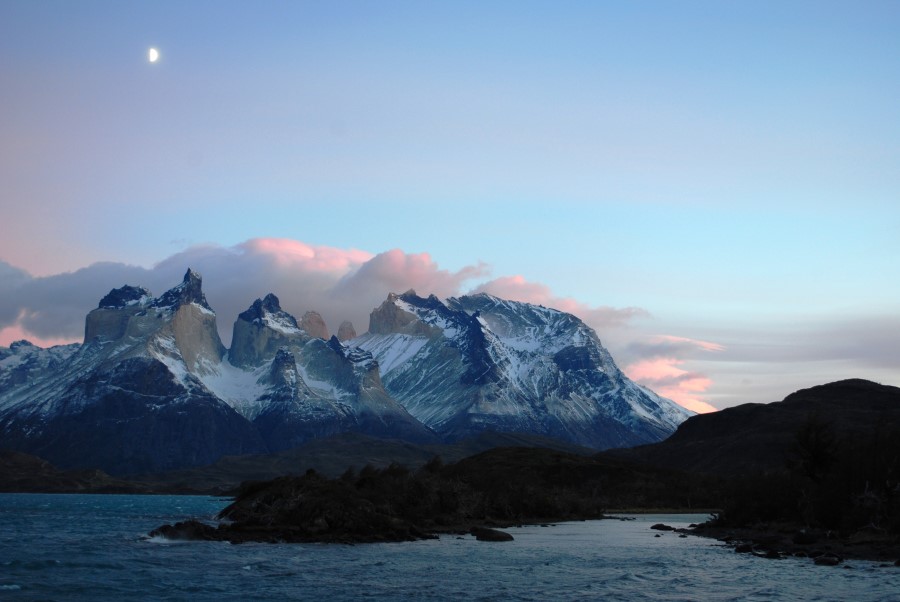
{"x": 122, "y": 297}
{"x": 267, "y": 305}
{"x": 576, "y": 358}
{"x": 189, "y": 291}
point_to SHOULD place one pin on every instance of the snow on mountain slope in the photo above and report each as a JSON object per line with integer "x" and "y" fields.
{"x": 153, "y": 388}
{"x": 129, "y": 400}
{"x": 312, "y": 387}
{"x": 478, "y": 363}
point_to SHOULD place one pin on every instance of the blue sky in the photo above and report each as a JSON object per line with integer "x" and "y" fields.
{"x": 731, "y": 169}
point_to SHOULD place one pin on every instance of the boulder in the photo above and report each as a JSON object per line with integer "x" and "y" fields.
{"x": 189, "y": 530}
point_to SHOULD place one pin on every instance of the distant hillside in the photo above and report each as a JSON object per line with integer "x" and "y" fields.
{"x": 753, "y": 438}
{"x": 826, "y": 458}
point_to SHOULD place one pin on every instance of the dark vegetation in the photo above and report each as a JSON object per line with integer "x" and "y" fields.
{"x": 829, "y": 482}
{"x": 500, "y": 487}
{"x": 23, "y": 472}
{"x": 819, "y": 471}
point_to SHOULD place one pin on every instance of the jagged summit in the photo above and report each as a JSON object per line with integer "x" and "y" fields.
{"x": 268, "y": 310}
{"x": 124, "y": 296}
{"x": 189, "y": 291}
{"x": 261, "y": 330}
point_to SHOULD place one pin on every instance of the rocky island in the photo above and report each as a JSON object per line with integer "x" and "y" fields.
{"x": 498, "y": 488}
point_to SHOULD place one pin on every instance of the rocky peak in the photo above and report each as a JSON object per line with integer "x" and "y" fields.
{"x": 284, "y": 367}
{"x": 267, "y": 306}
{"x": 261, "y": 330}
{"x": 359, "y": 358}
{"x": 118, "y": 298}
{"x": 314, "y": 325}
{"x": 389, "y": 318}
{"x": 346, "y": 331}
{"x": 270, "y": 303}
{"x": 189, "y": 291}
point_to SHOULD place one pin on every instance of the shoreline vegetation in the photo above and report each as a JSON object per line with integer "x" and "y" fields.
{"x": 823, "y": 547}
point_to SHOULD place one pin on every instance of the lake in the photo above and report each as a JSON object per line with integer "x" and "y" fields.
{"x": 94, "y": 547}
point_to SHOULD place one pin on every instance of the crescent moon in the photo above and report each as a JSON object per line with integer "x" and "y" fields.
{"x": 153, "y": 55}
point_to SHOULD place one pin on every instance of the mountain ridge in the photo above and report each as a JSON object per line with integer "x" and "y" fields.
{"x": 152, "y": 388}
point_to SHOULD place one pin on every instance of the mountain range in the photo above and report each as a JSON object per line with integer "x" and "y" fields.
{"x": 152, "y": 387}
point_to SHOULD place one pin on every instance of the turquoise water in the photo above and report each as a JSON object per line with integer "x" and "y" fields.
{"x": 92, "y": 547}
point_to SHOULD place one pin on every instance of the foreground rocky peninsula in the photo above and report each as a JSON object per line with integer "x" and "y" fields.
{"x": 501, "y": 487}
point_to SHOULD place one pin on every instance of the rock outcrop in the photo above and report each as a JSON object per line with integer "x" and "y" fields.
{"x": 346, "y": 331}
{"x": 313, "y": 324}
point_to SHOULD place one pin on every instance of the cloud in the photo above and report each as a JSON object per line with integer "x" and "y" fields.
{"x": 340, "y": 284}
{"x": 656, "y": 363}
{"x": 664, "y": 376}
{"x": 667, "y": 346}
{"x": 53, "y": 307}
{"x": 600, "y": 318}
{"x": 17, "y": 333}
{"x": 396, "y": 271}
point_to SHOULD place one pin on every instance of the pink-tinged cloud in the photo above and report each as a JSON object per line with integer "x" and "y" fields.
{"x": 684, "y": 341}
{"x": 517, "y": 288}
{"x": 396, "y": 272}
{"x": 288, "y": 253}
{"x": 340, "y": 284}
{"x": 17, "y": 333}
{"x": 664, "y": 376}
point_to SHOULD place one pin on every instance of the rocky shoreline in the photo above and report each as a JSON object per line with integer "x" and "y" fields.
{"x": 788, "y": 540}
{"x": 375, "y": 532}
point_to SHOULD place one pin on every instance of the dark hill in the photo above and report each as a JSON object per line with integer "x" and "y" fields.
{"x": 825, "y": 458}
{"x": 759, "y": 438}
{"x": 499, "y": 487}
{"x": 23, "y": 472}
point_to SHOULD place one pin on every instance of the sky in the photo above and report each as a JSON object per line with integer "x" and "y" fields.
{"x": 713, "y": 186}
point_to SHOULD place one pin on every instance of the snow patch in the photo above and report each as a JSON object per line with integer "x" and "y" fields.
{"x": 391, "y": 351}
{"x": 237, "y": 387}
{"x": 280, "y": 323}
